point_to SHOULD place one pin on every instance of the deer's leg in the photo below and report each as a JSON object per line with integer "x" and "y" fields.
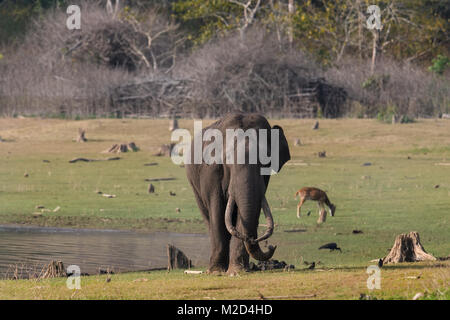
{"x": 299, "y": 206}
{"x": 322, "y": 213}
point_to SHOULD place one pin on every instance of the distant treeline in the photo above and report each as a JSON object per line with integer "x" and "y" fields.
{"x": 204, "y": 58}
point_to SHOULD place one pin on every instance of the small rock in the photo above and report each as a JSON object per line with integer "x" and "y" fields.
{"x": 26, "y": 175}
{"x": 39, "y": 207}
{"x": 367, "y": 164}
{"x": 297, "y": 142}
{"x": 322, "y": 154}
{"x": 173, "y": 194}
{"x": 316, "y": 125}
{"x": 436, "y": 186}
{"x": 151, "y": 188}
{"x": 178, "y": 210}
{"x": 357, "y": 231}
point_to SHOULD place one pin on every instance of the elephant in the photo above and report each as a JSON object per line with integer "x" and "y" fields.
{"x": 230, "y": 197}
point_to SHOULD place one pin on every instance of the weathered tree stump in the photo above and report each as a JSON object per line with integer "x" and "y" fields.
{"x": 173, "y": 124}
{"x": 54, "y": 269}
{"x": 165, "y": 150}
{"x": 322, "y": 216}
{"x": 177, "y": 259}
{"x": 394, "y": 119}
{"x": 81, "y": 135}
{"x": 407, "y": 248}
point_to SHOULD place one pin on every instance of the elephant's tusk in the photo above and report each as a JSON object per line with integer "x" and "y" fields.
{"x": 269, "y": 219}
{"x": 229, "y": 221}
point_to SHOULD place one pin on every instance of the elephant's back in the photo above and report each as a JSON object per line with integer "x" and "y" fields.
{"x": 241, "y": 120}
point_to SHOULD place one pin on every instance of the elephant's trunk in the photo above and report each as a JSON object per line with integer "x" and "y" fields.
{"x": 252, "y": 244}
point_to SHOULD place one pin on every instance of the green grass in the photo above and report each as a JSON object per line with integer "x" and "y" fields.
{"x": 397, "y": 282}
{"x": 392, "y": 196}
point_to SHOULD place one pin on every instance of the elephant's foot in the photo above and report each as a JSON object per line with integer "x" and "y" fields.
{"x": 216, "y": 270}
{"x": 235, "y": 270}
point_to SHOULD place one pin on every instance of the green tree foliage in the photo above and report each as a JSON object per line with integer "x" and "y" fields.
{"x": 440, "y": 64}
{"x": 412, "y": 30}
{"x": 15, "y": 16}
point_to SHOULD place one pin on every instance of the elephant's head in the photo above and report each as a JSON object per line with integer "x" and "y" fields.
{"x": 246, "y": 195}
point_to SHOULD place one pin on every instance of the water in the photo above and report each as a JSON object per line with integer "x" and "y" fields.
{"x": 30, "y": 248}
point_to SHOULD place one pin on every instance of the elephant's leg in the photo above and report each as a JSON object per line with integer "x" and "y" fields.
{"x": 219, "y": 238}
{"x": 239, "y": 257}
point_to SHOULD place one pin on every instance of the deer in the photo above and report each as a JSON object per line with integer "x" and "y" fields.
{"x": 315, "y": 194}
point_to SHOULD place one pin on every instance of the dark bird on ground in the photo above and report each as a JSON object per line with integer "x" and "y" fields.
{"x": 380, "y": 263}
{"x": 312, "y": 266}
{"x": 357, "y": 231}
{"x": 309, "y": 212}
{"x": 332, "y": 246}
{"x": 172, "y": 193}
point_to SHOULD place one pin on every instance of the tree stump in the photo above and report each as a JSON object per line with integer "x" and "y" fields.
{"x": 54, "y": 269}
{"x": 177, "y": 259}
{"x": 394, "y": 119}
{"x": 407, "y": 248}
{"x": 81, "y": 135}
{"x": 173, "y": 124}
{"x": 165, "y": 150}
{"x": 322, "y": 216}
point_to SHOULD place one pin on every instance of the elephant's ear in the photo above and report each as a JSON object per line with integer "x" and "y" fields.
{"x": 285, "y": 155}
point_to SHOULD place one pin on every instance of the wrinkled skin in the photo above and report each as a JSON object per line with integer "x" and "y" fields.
{"x": 215, "y": 184}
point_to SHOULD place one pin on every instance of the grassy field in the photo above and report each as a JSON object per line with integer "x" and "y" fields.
{"x": 395, "y": 194}
{"x": 397, "y": 282}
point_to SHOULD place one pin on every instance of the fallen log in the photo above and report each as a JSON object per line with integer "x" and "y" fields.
{"x": 93, "y": 160}
{"x": 159, "y": 179}
{"x": 150, "y": 164}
